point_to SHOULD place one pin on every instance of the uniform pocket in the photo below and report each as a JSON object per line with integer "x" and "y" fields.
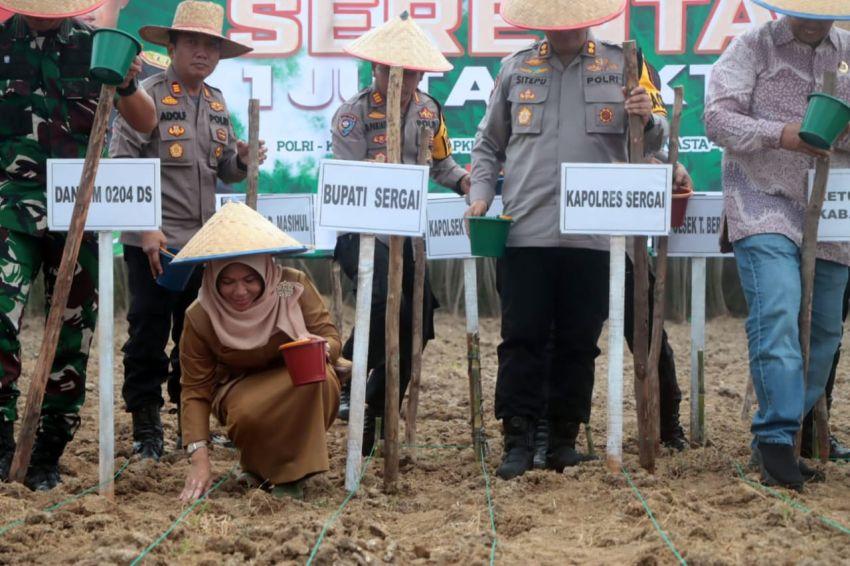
{"x": 605, "y": 118}
{"x": 176, "y": 146}
{"x": 527, "y": 107}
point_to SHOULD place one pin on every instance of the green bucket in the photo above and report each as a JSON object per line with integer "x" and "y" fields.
{"x": 826, "y": 117}
{"x": 488, "y": 235}
{"x": 112, "y": 54}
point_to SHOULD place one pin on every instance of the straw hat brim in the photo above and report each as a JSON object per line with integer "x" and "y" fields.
{"x": 809, "y": 9}
{"x": 560, "y": 15}
{"x": 438, "y": 68}
{"x": 51, "y": 8}
{"x": 289, "y": 250}
{"x": 159, "y": 35}
{"x": 400, "y": 43}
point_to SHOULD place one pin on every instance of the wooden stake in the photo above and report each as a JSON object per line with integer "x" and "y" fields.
{"x": 337, "y": 302}
{"x": 62, "y": 288}
{"x": 426, "y": 136}
{"x": 253, "y": 152}
{"x": 392, "y": 398}
{"x": 808, "y": 262}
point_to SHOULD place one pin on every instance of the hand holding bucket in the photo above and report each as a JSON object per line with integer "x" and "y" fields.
{"x": 826, "y": 118}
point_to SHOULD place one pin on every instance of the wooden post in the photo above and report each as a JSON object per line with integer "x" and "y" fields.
{"x": 640, "y": 343}
{"x": 426, "y": 135}
{"x": 473, "y": 353}
{"x": 62, "y": 288}
{"x": 253, "y": 152}
{"x": 337, "y": 303}
{"x": 106, "y": 351}
{"x": 392, "y": 398}
{"x": 808, "y": 261}
{"x": 698, "y": 284}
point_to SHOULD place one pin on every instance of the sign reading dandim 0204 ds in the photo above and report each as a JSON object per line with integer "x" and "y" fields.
{"x": 372, "y": 198}
{"x": 616, "y": 200}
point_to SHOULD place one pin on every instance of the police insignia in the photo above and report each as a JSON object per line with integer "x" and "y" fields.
{"x": 346, "y": 124}
{"x": 843, "y": 68}
{"x": 176, "y": 89}
{"x": 221, "y": 134}
{"x": 380, "y": 139}
{"x": 601, "y": 64}
{"x": 217, "y": 106}
{"x": 525, "y": 115}
{"x": 534, "y": 62}
{"x": 176, "y": 150}
{"x": 606, "y": 115}
{"x": 218, "y": 151}
{"x": 375, "y": 115}
{"x": 527, "y": 95}
{"x": 426, "y": 114}
{"x": 176, "y": 130}
{"x": 591, "y": 48}
{"x": 377, "y": 98}
{"x": 170, "y": 101}
{"x": 380, "y": 158}
{"x": 543, "y": 50}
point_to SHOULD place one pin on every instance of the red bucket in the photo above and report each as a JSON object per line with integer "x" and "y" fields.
{"x": 305, "y": 360}
{"x": 680, "y": 208}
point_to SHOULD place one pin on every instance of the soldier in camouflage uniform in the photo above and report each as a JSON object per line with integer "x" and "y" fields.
{"x": 48, "y": 103}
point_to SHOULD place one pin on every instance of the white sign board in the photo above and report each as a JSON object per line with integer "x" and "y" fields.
{"x": 834, "y": 225}
{"x": 372, "y": 198}
{"x": 615, "y": 200}
{"x": 292, "y": 213}
{"x": 446, "y": 237}
{"x": 700, "y": 235}
{"x": 127, "y": 195}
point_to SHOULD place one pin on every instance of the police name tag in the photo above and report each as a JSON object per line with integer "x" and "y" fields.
{"x": 615, "y": 200}
{"x": 292, "y": 213}
{"x": 700, "y": 235}
{"x": 127, "y": 195}
{"x": 446, "y": 236}
{"x": 372, "y": 198}
{"x": 834, "y": 225}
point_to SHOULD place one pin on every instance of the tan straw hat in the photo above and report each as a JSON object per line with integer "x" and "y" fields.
{"x": 194, "y": 16}
{"x": 236, "y": 231}
{"x": 400, "y": 43}
{"x": 51, "y": 8}
{"x": 809, "y": 9}
{"x": 557, "y": 15}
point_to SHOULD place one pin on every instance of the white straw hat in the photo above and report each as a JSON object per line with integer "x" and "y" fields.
{"x": 809, "y": 9}
{"x": 51, "y": 8}
{"x": 194, "y": 16}
{"x": 237, "y": 231}
{"x": 558, "y": 15}
{"x": 400, "y": 43}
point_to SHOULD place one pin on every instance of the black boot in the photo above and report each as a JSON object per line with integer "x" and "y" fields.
{"x": 562, "y": 445}
{"x": 541, "y": 444}
{"x": 518, "y": 457}
{"x": 345, "y": 402}
{"x": 369, "y": 430}
{"x": 7, "y": 448}
{"x": 838, "y": 451}
{"x": 779, "y": 466}
{"x": 672, "y": 434}
{"x": 43, "y": 472}
{"x": 147, "y": 433}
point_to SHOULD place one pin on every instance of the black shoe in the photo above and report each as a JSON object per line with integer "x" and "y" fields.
{"x": 779, "y": 466}
{"x": 518, "y": 457}
{"x": 672, "y": 435}
{"x": 344, "y": 402}
{"x": 147, "y": 433}
{"x": 7, "y": 448}
{"x": 541, "y": 444}
{"x": 810, "y": 474}
{"x": 43, "y": 471}
{"x": 562, "y": 451}
{"x": 837, "y": 451}
{"x": 369, "y": 429}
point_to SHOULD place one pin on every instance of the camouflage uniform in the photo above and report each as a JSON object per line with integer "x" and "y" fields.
{"x": 47, "y": 102}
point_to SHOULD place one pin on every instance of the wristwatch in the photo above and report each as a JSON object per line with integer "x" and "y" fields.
{"x": 194, "y": 446}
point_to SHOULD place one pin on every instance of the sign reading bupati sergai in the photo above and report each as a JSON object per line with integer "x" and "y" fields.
{"x": 615, "y": 200}
{"x": 700, "y": 235}
{"x": 372, "y": 198}
{"x": 127, "y": 194}
{"x": 446, "y": 237}
{"x": 834, "y": 225}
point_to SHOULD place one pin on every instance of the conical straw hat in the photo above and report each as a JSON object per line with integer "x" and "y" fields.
{"x": 558, "y": 15}
{"x": 236, "y": 231}
{"x": 51, "y": 8}
{"x": 400, "y": 43}
{"x": 809, "y": 9}
{"x": 194, "y": 16}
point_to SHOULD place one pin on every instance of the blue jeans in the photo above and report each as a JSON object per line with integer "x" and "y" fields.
{"x": 769, "y": 268}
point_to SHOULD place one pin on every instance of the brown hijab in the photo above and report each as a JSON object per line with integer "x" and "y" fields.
{"x": 276, "y": 309}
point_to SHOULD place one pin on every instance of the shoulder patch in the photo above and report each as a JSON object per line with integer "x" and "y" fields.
{"x": 170, "y": 101}
{"x": 346, "y": 124}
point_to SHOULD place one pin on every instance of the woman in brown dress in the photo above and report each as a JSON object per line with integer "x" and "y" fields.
{"x": 232, "y": 368}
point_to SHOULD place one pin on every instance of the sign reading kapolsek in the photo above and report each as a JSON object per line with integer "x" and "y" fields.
{"x": 372, "y": 198}
{"x": 834, "y": 225}
{"x": 446, "y": 237}
{"x": 127, "y": 194}
{"x": 616, "y": 200}
{"x": 700, "y": 235}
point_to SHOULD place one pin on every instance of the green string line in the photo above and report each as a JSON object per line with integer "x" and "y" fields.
{"x": 492, "y": 512}
{"x": 651, "y": 516}
{"x": 792, "y": 503}
{"x": 437, "y": 446}
{"x": 332, "y": 519}
{"x": 182, "y": 516}
{"x": 9, "y": 526}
